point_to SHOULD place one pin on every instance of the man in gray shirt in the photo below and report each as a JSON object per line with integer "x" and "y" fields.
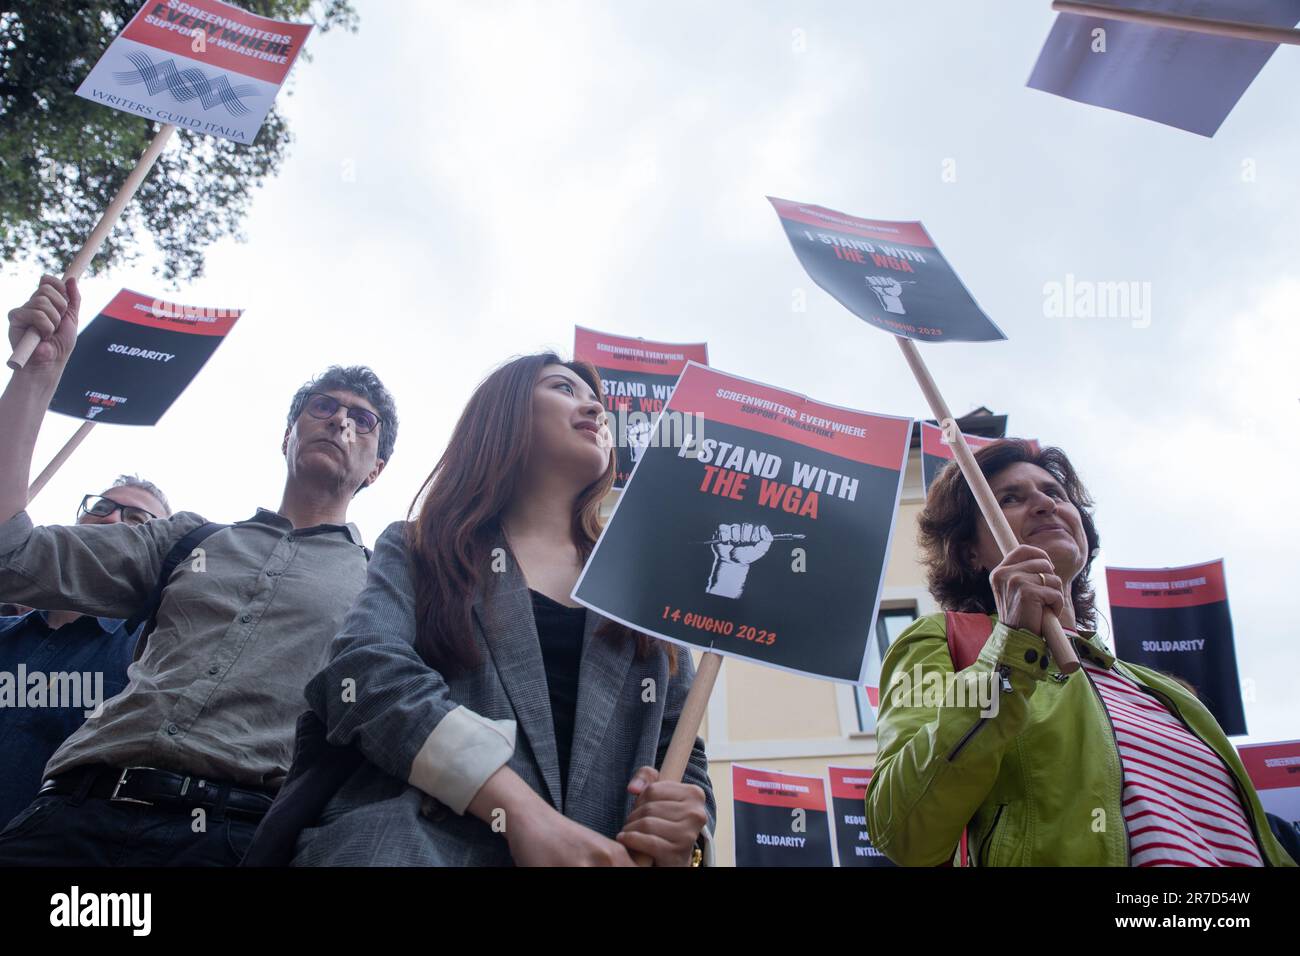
{"x": 179, "y": 767}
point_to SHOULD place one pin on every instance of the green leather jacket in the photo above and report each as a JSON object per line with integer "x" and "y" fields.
{"x": 1039, "y": 782}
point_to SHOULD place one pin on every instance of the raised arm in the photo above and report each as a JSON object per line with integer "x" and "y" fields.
{"x": 52, "y": 313}
{"x": 106, "y": 570}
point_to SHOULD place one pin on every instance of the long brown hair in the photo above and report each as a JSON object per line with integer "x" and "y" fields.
{"x": 455, "y": 518}
{"x": 949, "y": 523}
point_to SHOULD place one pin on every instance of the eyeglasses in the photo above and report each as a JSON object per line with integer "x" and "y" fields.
{"x": 102, "y": 507}
{"x": 322, "y": 406}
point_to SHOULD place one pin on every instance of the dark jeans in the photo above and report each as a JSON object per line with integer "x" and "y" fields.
{"x": 60, "y": 830}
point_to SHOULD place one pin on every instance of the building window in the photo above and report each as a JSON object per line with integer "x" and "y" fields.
{"x": 890, "y": 623}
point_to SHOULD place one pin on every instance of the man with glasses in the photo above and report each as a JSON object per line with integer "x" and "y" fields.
{"x": 43, "y": 646}
{"x": 179, "y": 768}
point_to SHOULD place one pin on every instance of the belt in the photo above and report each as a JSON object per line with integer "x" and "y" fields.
{"x": 159, "y": 788}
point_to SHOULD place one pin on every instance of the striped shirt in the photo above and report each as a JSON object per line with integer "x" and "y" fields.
{"x": 1180, "y": 803}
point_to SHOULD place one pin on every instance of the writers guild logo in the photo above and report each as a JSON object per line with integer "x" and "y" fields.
{"x": 735, "y": 548}
{"x": 890, "y": 292}
{"x": 185, "y": 85}
{"x": 638, "y": 439}
{"x": 93, "y": 411}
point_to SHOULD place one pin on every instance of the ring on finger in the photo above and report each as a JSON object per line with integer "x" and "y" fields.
{"x": 1042, "y": 577}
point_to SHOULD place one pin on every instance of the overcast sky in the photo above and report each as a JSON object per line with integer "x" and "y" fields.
{"x": 471, "y": 180}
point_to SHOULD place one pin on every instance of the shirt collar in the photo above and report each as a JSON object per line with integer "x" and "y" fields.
{"x": 279, "y": 521}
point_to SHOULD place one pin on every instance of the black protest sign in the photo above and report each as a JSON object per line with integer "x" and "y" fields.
{"x": 1176, "y": 621}
{"x": 848, "y": 811}
{"x": 637, "y": 377}
{"x": 889, "y": 274}
{"x": 936, "y": 453}
{"x": 134, "y": 360}
{"x": 761, "y": 532}
{"x": 779, "y": 818}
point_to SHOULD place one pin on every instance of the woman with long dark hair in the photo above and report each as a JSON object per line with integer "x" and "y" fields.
{"x": 498, "y": 722}
{"x": 1113, "y": 765}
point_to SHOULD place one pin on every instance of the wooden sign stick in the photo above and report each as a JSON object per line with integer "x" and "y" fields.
{"x": 1236, "y": 29}
{"x": 57, "y": 462}
{"x": 688, "y": 727}
{"x": 1061, "y": 650}
{"x": 27, "y": 344}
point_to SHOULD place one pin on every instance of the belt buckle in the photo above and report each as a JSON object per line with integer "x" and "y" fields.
{"x": 114, "y": 798}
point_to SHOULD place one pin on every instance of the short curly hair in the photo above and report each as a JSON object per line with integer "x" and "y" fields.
{"x": 359, "y": 380}
{"x": 949, "y": 524}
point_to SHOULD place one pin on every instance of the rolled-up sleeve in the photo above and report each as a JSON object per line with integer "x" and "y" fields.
{"x": 378, "y": 693}
{"x": 108, "y": 570}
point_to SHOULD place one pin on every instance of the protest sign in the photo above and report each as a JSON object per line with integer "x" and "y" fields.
{"x": 889, "y": 274}
{"x": 1170, "y": 67}
{"x": 1176, "y": 621}
{"x": 761, "y": 531}
{"x": 201, "y": 65}
{"x": 1274, "y": 769}
{"x": 779, "y": 818}
{"x": 845, "y": 255}
{"x": 936, "y": 452}
{"x": 134, "y": 360}
{"x": 638, "y": 377}
{"x": 848, "y": 811}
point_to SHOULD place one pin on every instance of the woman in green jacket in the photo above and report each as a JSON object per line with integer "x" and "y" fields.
{"x": 1114, "y": 765}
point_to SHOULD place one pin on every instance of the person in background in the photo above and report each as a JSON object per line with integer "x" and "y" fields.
{"x": 178, "y": 768}
{"x": 97, "y": 650}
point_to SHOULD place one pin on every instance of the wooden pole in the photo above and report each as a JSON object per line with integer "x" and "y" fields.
{"x": 1235, "y": 29}
{"x": 692, "y": 715}
{"x": 81, "y": 262}
{"x": 1061, "y": 650}
{"x": 688, "y": 727}
{"x": 69, "y": 447}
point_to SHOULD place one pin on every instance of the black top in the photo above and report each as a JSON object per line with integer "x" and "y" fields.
{"x": 559, "y": 632}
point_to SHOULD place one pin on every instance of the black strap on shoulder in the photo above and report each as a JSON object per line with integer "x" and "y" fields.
{"x": 179, "y": 552}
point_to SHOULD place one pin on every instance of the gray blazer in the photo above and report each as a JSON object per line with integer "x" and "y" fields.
{"x": 430, "y": 743}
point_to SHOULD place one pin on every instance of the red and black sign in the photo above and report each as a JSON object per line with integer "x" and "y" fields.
{"x": 1176, "y": 621}
{"x": 780, "y": 818}
{"x": 848, "y": 806}
{"x": 134, "y": 360}
{"x": 936, "y": 453}
{"x": 761, "y": 531}
{"x": 638, "y": 378}
{"x": 889, "y": 274}
{"x": 1274, "y": 769}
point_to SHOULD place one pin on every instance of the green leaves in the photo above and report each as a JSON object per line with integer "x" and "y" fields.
{"x": 62, "y": 158}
